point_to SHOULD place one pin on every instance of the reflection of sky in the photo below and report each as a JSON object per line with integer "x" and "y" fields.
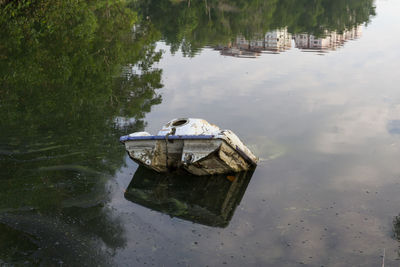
{"x": 329, "y": 200}
{"x": 394, "y": 127}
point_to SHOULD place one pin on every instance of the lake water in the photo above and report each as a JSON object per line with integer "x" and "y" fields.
{"x": 309, "y": 88}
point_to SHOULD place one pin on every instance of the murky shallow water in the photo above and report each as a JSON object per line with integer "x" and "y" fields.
{"x": 325, "y": 128}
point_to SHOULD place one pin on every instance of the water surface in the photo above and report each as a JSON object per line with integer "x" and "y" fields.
{"x": 319, "y": 107}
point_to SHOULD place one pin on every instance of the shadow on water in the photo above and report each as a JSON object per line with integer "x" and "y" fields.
{"x": 209, "y": 200}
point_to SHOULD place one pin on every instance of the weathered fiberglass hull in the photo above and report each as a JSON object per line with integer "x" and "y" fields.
{"x": 199, "y": 155}
{"x": 191, "y": 144}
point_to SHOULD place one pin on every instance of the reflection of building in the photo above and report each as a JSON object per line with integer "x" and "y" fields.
{"x": 237, "y": 52}
{"x": 330, "y": 41}
{"x": 274, "y": 41}
{"x": 280, "y": 40}
{"x": 208, "y": 200}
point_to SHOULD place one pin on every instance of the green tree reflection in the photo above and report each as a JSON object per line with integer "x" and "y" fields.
{"x": 196, "y": 24}
{"x": 69, "y": 71}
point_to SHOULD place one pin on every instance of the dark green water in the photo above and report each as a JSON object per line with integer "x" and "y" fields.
{"x": 310, "y": 86}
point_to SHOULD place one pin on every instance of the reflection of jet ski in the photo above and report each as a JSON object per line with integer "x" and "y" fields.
{"x": 208, "y": 200}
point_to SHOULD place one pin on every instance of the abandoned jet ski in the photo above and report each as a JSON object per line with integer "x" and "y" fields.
{"x": 192, "y": 144}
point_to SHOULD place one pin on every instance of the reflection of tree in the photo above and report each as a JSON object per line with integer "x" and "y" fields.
{"x": 317, "y": 17}
{"x": 209, "y": 200}
{"x": 214, "y": 22}
{"x": 205, "y": 22}
{"x": 61, "y": 89}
